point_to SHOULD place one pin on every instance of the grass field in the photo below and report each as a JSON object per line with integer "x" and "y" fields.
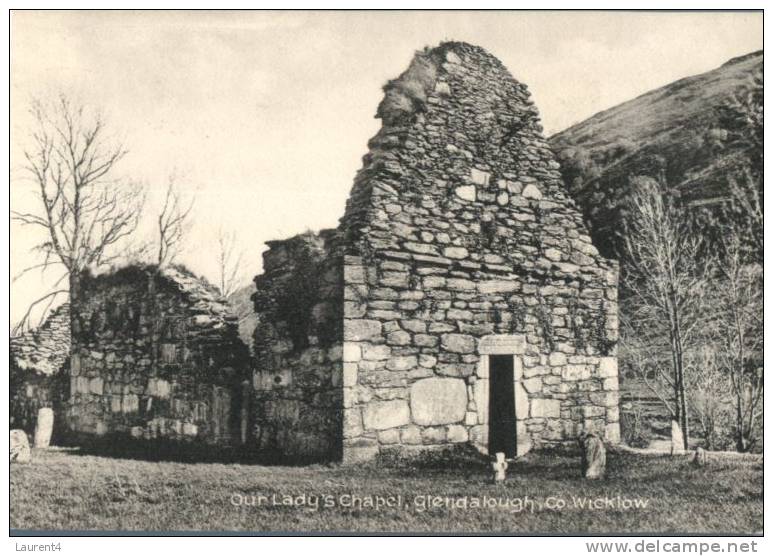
{"x": 63, "y": 490}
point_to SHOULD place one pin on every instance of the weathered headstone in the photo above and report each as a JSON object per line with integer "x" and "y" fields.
{"x": 677, "y": 438}
{"x": 500, "y": 467}
{"x": 44, "y": 427}
{"x": 699, "y": 459}
{"x": 20, "y": 447}
{"x": 594, "y": 456}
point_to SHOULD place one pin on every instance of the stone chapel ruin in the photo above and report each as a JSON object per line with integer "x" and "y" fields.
{"x": 155, "y": 355}
{"x": 460, "y": 300}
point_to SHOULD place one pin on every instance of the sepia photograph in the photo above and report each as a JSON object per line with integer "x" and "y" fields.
{"x": 387, "y": 272}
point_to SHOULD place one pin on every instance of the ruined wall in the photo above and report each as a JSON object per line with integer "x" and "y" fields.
{"x": 38, "y": 370}
{"x": 298, "y": 336}
{"x": 462, "y": 243}
{"x": 155, "y": 355}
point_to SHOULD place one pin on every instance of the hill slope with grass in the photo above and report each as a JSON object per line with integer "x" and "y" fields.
{"x": 242, "y": 306}
{"x": 678, "y": 134}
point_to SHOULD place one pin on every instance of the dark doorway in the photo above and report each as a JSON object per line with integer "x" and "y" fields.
{"x": 501, "y": 406}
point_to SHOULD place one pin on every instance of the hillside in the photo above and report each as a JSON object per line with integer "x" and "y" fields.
{"x": 677, "y": 134}
{"x": 242, "y": 306}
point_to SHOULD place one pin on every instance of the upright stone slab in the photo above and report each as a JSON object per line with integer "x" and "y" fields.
{"x": 19, "y": 447}
{"x": 594, "y": 456}
{"x": 44, "y": 427}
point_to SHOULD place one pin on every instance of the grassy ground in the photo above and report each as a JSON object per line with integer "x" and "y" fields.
{"x": 63, "y": 490}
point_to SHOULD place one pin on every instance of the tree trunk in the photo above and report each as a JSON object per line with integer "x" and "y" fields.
{"x": 678, "y": 356}
{"x": 740, "y": 444}
{"x": 75, "y": 290}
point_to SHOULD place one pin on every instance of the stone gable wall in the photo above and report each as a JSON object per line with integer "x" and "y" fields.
{"x": 459, "y": 228}
{"x": 458, "y": 242}
{"x": 155, "y": 355}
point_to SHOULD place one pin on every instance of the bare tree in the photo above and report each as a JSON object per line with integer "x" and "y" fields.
{"x": 640, "y": 352}
{"x": 229, "y": 263}
{"x": 708, "y": 385}
{"x": 172, "y": 223}
{"x": 85, "y": 209}
{"x": 738, "y": 328}
{"x": 744, "y": 215}
{"x": 666, "y": 279}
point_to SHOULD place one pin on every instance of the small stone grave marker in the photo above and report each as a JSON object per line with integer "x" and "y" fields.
{"x": 594, "y": 456}
{"x": 20, "y": 447}
{"x": 500, "y": 467}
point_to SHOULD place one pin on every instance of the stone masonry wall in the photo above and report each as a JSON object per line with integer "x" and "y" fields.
{"x": 461, "y": 242}
{"x": 298, "y": 349}
{"x": 155, "y": 354}
{"x": 38, "y": 370}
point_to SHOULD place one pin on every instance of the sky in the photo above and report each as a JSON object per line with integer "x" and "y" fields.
{"x": 264, "y": 116}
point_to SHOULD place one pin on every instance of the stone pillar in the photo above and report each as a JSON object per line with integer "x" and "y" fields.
{"x": 44, "y": 427}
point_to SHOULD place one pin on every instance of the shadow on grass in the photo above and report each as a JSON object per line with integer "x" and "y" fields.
{"x": 163, "y": 450}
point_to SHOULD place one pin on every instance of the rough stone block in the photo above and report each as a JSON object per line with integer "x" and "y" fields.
{"x": 498, "y": 286}
{"x": 360, "y": 330}
{"x": 457, "y": 433}
{"x": 130, "y": 403}
{"x": 438, "y": 401}
{"x": 533, "y": 385}
{"x": 610, "y": 384}
{"x": 354, "y": 274}
{"x": 612, "y": 433}
{"x": 96, "y": 386}
{"x": 453, "y": 58}
{"x": 376, "y": 353}
{"x": 465, "y": 192}
{"x": 456, "y": 252}
{"x": 503, "y": 344}
{"x": 158, "y": 388}
{"x": 402, "y": 363}
{"x": 350, "y": 374}
{"x": 458, "y": 343}
{"x": 414, "y": 325}
{"x": 479, "y": 435}
{"x": 479, "y": 177}
{"x": 576, "y": 372}
{"x": 352, "y": 425}
{"x": 352, "y": 352}
{"x": 522, "y": 402}
{"x": 480, "y": 393}
{"x": 532, "y": 192}
{"x": 545, "y": 408}
{"x": 398, "y": 338}
{"x": 390, "y": 436}
{"x": 608, "y": 367}
{"x": 557, "y": 359}
{"x": 460, "y": 284}
{"x": 427, "y": 361}
{"x": 410, "y": 435}
{"x": 425, "y": 340}
{"x": 442, "y": 88}
{"x": 20, "y": 451}
{"x": 395, "y": 279}
{"x": 386, "y": 414}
